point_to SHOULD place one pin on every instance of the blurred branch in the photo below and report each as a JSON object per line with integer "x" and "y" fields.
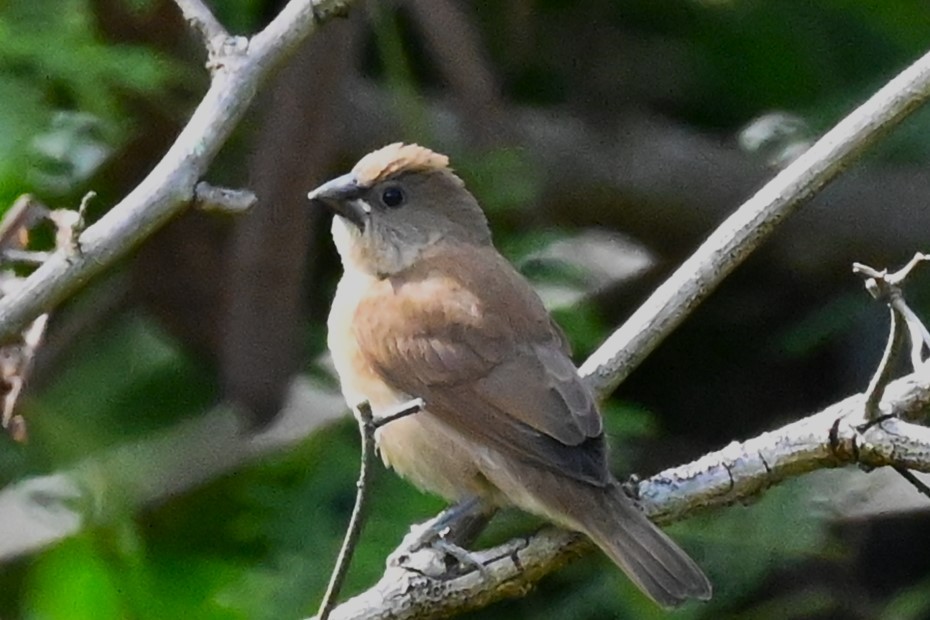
{"x": 667, "y": 184}
{"x": 36, "y": 512}
{"x": 169, "y": 187}
{"x": 272, "y": 254}
{"x": 739, "y": 471}
{"x": 449, "y": 30}
{"x": 223, "y": 199}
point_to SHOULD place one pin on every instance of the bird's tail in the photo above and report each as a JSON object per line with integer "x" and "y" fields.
{"x": 651, "y": 559}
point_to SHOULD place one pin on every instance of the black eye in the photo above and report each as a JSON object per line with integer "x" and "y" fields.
{"x": 392, "y": 197}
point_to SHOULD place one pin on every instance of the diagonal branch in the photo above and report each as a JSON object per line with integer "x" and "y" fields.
{"x": 752, "y": 224}
{"x": 169, "y": 187}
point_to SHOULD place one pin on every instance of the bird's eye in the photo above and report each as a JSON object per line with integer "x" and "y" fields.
{"x": 393, "y": 197}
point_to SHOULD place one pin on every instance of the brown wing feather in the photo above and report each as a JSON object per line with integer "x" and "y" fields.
{"x": 478, "y": 346}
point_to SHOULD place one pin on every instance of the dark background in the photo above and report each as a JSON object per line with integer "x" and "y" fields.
{"x": 618, "y": 129}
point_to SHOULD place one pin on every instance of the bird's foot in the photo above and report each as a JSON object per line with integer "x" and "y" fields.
{"x": 429, "y": 547}
{"x": 465, "y": 558}
{"x": 427, "y": 552}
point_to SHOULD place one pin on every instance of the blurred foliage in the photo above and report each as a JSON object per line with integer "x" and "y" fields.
{"x": 63, "y": 91}
{"x": 260, "y": 541}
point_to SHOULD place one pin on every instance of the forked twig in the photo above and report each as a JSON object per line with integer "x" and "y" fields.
{"x": 887, "y": 287}
{"x": 16, "y": 356}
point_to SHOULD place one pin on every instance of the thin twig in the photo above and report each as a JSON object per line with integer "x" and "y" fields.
{"x": 902, "y": 274}
{"x": 916, "y": 482}
{"x": 888, "y": 287}
{"x": 367, "y": 426}
{"x": 366, "y": 430}
{"x": 746, "y": 229}
{"x": 409, "y": 408}
{"x": 873, "y": 394}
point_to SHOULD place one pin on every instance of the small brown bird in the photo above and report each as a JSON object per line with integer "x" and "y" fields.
{"x": 428, "y": 308}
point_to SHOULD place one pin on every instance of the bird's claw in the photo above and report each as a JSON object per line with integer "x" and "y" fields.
{"x": 426, "y": 550}
{"x": 464, "y": 557}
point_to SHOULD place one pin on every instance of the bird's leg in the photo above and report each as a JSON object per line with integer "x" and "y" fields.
{"x": 448, "y": 532}
{"x": 460, "y": 523}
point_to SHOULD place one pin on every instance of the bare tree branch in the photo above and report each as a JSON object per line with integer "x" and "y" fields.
{"x": 169, "y": 188}
{"x": 751, "y": 224}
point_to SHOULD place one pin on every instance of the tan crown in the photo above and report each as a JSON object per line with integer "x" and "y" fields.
{"x": 394, "y": 159}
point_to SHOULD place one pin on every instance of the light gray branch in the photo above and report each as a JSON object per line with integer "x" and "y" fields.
{"x": 827, "y": 439}
{"x": 752, "y": 224}
{"x": 169, "y": 188}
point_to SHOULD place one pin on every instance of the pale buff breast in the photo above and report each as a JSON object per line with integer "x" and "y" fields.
{"x": 358, "y": 381}
{"x": 419, "y": 447}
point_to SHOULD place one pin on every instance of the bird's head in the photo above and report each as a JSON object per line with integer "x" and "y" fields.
{"x": 397, "y": 202}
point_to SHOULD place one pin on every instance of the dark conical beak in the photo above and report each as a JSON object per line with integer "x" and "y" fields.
{"x": 342, "y": 195}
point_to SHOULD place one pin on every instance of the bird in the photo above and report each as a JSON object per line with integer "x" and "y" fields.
{"x": 428, "y": 308}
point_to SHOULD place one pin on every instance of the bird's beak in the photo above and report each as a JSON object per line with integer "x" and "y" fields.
{"x": 342, "y": 196}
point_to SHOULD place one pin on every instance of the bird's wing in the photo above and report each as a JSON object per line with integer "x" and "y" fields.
{"x": 466, "y": 333}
